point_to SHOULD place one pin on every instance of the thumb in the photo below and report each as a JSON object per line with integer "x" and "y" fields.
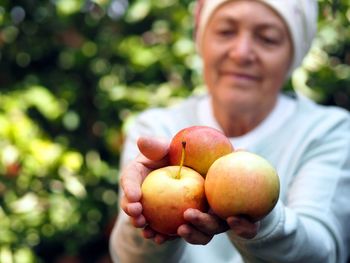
{"x": 154, "y": 149}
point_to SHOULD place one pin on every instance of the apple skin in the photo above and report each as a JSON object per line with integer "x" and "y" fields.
{"x": 242, "y": 183}
{"x": 165, "y": 197}
{"x": 203, "y": 146}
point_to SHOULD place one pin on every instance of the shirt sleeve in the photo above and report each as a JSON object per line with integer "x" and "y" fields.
{"x": 126, "y": 242}
{"x": 312, "y": 224}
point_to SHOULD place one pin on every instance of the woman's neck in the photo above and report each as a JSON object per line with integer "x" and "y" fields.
{"x": 237, "y": 122}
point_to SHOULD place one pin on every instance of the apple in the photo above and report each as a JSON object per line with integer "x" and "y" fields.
{"x": 242, "y": 183}
{"x": 167, "y": 192}
{"x": 203, "y": 146}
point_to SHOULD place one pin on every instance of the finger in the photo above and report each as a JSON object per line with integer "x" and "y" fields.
{"x": 134, "y": 209}
{"x": 135, "y": 172}
{"x": 205, "y": 222}
{"x": 158, "y": 238}
{"x": 139, "y": 222}
{"x": 123, "y": 204}
{"x": 131, "y": 209}
{"x": 131, "y": 180}
{"x": 148, "y": 233}
{"x": 133, "y": 175}
{"x": 153, "y": 148}
{"x": 243, "y": 227}
{"x": 148, "y": 165}
{"x": 193, "y": 235}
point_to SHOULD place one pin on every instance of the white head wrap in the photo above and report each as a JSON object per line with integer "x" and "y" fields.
{"x": 300, "y": 17}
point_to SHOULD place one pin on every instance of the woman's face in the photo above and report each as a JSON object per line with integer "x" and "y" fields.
{"x": 247, "y": 52}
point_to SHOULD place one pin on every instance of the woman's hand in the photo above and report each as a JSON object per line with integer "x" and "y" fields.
{"x": 243, "y": 227}
{"x": 203, "y": 226}
{"x": 153, "y": 156}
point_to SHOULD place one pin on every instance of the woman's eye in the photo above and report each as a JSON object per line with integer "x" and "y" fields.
{"x": 269, "y": 40}
{"x": 225, "y": 32}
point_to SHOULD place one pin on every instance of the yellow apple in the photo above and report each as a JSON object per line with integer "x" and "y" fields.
{"x": 242, "y": 183}
{"x": 167, "y": 192}
{"x": 203, "y": 146}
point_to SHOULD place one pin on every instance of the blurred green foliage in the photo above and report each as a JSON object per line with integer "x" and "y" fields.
{"x": 73, "y": 73}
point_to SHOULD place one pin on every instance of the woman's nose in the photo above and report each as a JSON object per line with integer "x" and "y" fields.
{"x": 242, "y": 49}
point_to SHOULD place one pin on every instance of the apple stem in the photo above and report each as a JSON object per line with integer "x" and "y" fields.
{"x": 182, "y": 159}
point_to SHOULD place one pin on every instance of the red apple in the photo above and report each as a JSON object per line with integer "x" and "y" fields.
{"x": 203, "y": 146}
{"x": 167, "y": 192}
{"x": 242, "y": 183}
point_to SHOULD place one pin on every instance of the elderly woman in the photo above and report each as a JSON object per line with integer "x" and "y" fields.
{"x": 249, "y": 49}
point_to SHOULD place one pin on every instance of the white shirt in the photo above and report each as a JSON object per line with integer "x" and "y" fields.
{"x": 308, "y": 144}
{"x": 284, "y": 108}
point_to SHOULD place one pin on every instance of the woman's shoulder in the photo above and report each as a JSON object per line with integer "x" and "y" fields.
{"x": 320, "y": 119}
{"x": 312, "y": 110}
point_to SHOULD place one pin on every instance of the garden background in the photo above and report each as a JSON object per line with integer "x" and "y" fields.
{"x": 73, "y": 74}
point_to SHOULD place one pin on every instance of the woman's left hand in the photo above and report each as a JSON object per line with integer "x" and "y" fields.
{"x": 202, "y": 227}
{"x": 243, "y": 227}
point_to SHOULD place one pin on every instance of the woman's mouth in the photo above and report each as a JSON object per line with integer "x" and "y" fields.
{"x": 240, "y": 78}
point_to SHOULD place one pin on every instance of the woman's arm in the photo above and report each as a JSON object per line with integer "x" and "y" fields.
{"x": 130, "y": 242}
{"x": 312, "y": 224}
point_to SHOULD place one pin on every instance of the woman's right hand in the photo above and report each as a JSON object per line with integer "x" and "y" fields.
{"x": 153, "y": 155}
